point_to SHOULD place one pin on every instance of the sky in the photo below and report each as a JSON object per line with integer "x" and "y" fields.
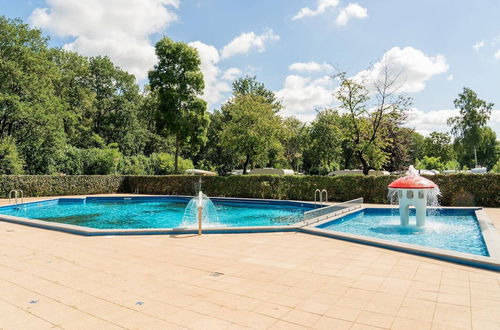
{"x": 294, "y": 46}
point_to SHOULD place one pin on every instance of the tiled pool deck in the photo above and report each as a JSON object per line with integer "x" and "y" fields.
{"x": 51, "y": 279}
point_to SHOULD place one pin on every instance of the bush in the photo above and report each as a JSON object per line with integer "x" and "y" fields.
{"x": 10, "y": 160}
{"x": 163, "y": 163}
{"x": 135, "y": 165}
{"x": 101, "y": 161}
{"x": 496, "y": 168}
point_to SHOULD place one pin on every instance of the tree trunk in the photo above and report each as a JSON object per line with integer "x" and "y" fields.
{"x": 247, "y": 161}
{"x": 366, "y": 167}
{"x": 176, "y": 160}
{"x": 475, "y": 155}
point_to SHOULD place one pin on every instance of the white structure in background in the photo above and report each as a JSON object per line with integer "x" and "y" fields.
{"x": 479, "y": 170}
{"x": 200, "y": 172}
{"x": 271, "y": 171}
{"x": 358, "y": 172}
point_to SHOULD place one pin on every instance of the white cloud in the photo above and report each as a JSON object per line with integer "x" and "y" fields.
{"x": 411, "y": 67}
{"x": 214, "y": 86}
{"x": 301, "y": 96}
{"x": 426, "y": 122}
{"x": 231, "y": 74}
{"x": 478, "y": 45}
{"x": 323, "y": 5}
{"x": 310, "y": 67}
{"x": 353, "y": 10}
{"x": 450, "y": 77}
{"x": 497, "y": 55}
{"x": 248, "y": 41}
{"x": 119, "y": 29}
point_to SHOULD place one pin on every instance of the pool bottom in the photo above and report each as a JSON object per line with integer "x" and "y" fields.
{"x": 489, "y": 232}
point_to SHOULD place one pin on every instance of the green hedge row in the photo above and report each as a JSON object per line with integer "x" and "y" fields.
{"x": 457, "y": 190}
{"x": 51, "y": 185}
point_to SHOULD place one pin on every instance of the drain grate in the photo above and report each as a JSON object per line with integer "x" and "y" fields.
{"x": 215, "y": 274}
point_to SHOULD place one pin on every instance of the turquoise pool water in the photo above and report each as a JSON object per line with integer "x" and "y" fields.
{"x": 449, "y": 229}
{"x": 109, "y": 213}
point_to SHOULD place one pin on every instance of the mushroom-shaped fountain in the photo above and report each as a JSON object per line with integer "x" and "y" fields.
{"x": 413, "y": 190}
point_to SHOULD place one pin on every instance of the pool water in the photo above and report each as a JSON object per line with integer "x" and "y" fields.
{"x": 449, "y": 229}
{"x": 104, "y": 213}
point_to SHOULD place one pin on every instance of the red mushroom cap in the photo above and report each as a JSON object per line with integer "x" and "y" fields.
{"x": 413, "y": 182}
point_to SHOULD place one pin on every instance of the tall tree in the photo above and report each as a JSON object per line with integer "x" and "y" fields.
{"x": 293, "y": 140}
{"x": 474, "y": 114}
{"x": 252, "y": 130}
{"x": 324, "y": 148}
{"x": 250, "y": 86}
{"x": 178, "y": 81}
{"x": 367, "y": 125}
{"x": 439, "y": 145}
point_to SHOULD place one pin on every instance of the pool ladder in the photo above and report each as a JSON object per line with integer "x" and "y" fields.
{"x": 17, "y": 194}
{"x": 320, "y": 194}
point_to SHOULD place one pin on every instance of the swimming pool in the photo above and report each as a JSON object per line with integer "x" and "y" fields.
{"x": 157, "y": 212}
{"x": 448, "y": 229}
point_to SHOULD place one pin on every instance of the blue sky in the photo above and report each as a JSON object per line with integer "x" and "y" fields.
{"x": 291, "y": 45}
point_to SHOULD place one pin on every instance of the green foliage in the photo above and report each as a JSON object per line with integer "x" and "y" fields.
{"x": 496, "y": 168}
{"x": 250, "y": 86}
{"x": 252, "y": 129}
{"x": 10, "y": 160}
{"x": 178, "y": 81}
{"x": 481, "y": 188}
{"x": 163, "y": 163}
{"x": 429, "y": 163}
{"x": 325, "y": 136}
{"x": 366, "y": 131}
{"x": 101, "y": 161}
{"x": 474, "y": 114}
{"x": 438, "y": 145}
{"x": 63, "y": 185}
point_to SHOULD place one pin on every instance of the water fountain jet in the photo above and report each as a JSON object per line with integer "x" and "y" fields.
{"x": 413, "y": 190}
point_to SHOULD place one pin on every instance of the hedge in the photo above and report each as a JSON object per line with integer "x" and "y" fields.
{"x": 457, "y": 189}
{"x": 51, "y": 185}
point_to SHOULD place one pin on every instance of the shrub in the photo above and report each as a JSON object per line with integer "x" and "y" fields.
{"x": 101, "y": 161}
{"x": 135, "y": 165}
{"x": 163, "y": 163}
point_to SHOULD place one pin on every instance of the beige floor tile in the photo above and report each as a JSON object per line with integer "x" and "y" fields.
{"x": 328, "y": 323}
{"x": 375, "y": 319}
{"x": 302, "y": 318}
{"x": 401, "y": 323}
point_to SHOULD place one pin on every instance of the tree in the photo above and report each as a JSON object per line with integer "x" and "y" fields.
{"x": 178, "y": 81}
{"x": 10, "y": 161}
{"x": 250, "y": 86}
{"x": 487, "y": 149}
{"x": 474, "y": 114}
{"x": 325, "y": 136}
{"x": 366, "y": 125}
{"x": 293, "y": 139}
{"x": 252, "y": 129}
{"x": 439, "y": 145}
{"x": 430, "y": 163}
{"x": 30, "y": 111}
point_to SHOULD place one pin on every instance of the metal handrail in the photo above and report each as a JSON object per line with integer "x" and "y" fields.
{"x": 17, "y": 194}
{"x": 317, "y": 191}
{"x": 332, "y": 210}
